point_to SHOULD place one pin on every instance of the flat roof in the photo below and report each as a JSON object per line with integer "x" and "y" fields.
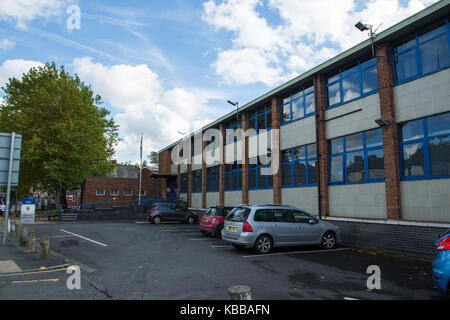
{"x": 435, "y": 11}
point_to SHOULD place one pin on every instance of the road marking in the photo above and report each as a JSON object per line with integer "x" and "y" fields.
{"x": 295, "y": 252}
{"x": 349, "y": 298}
{"x": 9, "y": 266}
{"x": 142, "y": 222}
{"x": 198, "y": 239}
{"x": 226, "y": 246}
{"x": 53, "y": 237}
{"x": 77, "y": 235}
{"x": 35, "y": 281}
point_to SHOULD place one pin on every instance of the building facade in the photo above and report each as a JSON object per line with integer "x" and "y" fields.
{"x": 364, "y": 141}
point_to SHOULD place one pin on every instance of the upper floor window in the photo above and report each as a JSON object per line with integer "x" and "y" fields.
{"x": 100, "y": 192}
{"x": 352, "y": 81}
{"x": 299, "y": 166}
{"x": 298, "y": 105}
{"x": 260, "y": 118}
{"x": 114, "y": 192}
{"x": 356, "y": 158}
{"x": 231, "y": 131}
{"x": 425, "y": 147}
{"x": 422, "y": 52}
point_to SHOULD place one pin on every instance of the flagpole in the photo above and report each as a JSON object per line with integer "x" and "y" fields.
{"x": 140, "y": 171}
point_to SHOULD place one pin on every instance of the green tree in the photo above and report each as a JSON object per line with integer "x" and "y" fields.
{"x": 66, "y": 134}
{"x": 153, "y": 157}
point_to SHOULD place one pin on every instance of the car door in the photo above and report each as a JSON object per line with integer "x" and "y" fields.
{"x": 309, "y": 231}
{"x": 180, "y": 213}
{"x": 169, "y": 212}
{"x": 284, "y": 226}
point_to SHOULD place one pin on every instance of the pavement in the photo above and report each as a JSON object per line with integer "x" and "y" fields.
{"x": 24, "y": 276}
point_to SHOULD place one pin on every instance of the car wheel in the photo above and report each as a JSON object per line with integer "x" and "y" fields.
{"x": 191, "y": 220}
{"x": 219, "y": 231}
{"x": 156, "y": 220}
{"x": 263, "y": 244}
{"x": 329, "y": 240}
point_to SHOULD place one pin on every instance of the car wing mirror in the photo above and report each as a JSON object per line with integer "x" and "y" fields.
{"x": 312, "y": 221}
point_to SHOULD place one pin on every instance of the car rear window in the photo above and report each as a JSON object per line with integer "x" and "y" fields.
{"x": 238, "y": 215}
{"x": 226, "y": 211}
{"x": 211, "y": 212}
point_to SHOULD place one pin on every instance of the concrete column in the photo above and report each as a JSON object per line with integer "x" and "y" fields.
{"x": 276, "y": 154}
{"x": 244, "y": 172}
{"x": 390, "y": 137}
{"x": 178, "y": 181}
{"x": 322, "y": 146}
{"x": 222, "y": 165}
{"x": 204, "y": 180}
{"x": 189, "y": 191}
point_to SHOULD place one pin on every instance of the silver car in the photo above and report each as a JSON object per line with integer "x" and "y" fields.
{"x": 264, "y": 227}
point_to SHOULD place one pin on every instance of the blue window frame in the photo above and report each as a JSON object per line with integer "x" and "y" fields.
{"x": 421, "y": 53}
{"x": 184, "y": 183}
{"x": 197, "y": 181}
{"x": 352, "y": 82}
{"x": 298, "y": 105}
{"x": 258, "y": 175}
{"x": 299, "y": 166}
{"x": 356, "y": 158}
{"x": 230, "y": 131}
{"x": 425, "y": 148}
{"x": 233, "y": 174}
{"x": 260, "y": 118}
{"x": 212, "y": 179}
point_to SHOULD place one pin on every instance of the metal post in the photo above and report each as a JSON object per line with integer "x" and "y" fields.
{"x": 8, "y": 188}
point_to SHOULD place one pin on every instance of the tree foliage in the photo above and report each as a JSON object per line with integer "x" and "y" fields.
{"x": 66, "y": 134}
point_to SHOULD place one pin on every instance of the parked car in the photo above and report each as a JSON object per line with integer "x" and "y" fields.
{"x": 264, "y": 227}
{"x": 213, "y": 220}
{"x": 441, "y": 263}
{"x": 164, "y": 212}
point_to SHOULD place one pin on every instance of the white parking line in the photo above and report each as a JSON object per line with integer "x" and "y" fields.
{"x": 349, "y": 298}
{"x": 77, "y": 235}
{"x": 295, "y": 252}
{"x": 225, "y": 246}
{"x": 198, "y": 239}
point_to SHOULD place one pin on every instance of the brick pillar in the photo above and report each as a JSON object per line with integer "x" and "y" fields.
{"x": 178, "y": 181}
{"x": 276, "y": 154}
{"x": 164, "y": 167}
{"x": 322, "y": 147}
{"x": 222, "y": 165}
{"x": 244, "y": 172}
{"x": 390, "y": 137}
{"x": 189, "y": 191}
{"x": 203, "y": 175}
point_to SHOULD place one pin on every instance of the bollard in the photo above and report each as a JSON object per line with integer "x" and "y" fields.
{"x": 239, "y": 293}
{"x": 31, "y": 243}
{"x": 12, "y": 230}
{"x": 17, "y": 233}
{"x": 45, "y": 247}
{"x": 23, "y": 237}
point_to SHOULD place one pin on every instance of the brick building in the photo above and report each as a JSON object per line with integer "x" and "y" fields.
{"x": 360, "y": 140}
{"x": 122, "y": 185}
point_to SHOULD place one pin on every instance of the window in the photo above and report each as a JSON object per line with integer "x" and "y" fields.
{"x": 100, "y": 192}
{"x": 259, "y": 176}
{"x": 263, "y": 215}
{"x": 114, "y": 192}
{"x": 356, "y": 158}
{"x": 231, "y": 133}
{"x": 298, "y": 105}
{"x": 184, "y": 183}
{"x": 233, "y": 174}
{"x": 197, "y": 181}
{"x": 299, "y": 166}
{"x": 128, "y": 193}
{"x": 425, "y": 147}
{"x": 212, "y": 179}
{"x": 352, "y": 81}
{"x": 260, "y": 118}
{"x": 143, "y": 193}
{"x": 422, "y": 52}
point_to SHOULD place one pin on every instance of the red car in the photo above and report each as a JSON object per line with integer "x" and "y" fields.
{"x": 212, "y": 221}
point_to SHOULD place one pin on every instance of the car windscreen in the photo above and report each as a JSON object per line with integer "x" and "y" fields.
{"x": 238, "y": 215}
{"x": 211, "y": 212}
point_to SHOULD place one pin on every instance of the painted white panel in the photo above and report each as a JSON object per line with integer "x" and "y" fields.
{"x": 302, "y": 198}
{"x": 233, "y": 198}
{"x": 212, "y": 199}
{"x": 196, "y": 200}
{"x": 260, "y": 196}
{"x": 298, "y": 133}
{"x": 365, "y": 200}
{"x": 426, "y": 200}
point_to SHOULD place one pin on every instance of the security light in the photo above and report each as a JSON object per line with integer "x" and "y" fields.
{"x": 232, "y": 103}
{"x": 236, "y": 104}
{"x": 362, "y": 27}
{"x": 381, "y": 122}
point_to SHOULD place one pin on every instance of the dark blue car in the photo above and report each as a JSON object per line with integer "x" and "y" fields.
{"x": 441, "y": 264}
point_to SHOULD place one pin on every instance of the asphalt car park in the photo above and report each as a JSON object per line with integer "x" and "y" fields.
{"x": 139, "y": 260}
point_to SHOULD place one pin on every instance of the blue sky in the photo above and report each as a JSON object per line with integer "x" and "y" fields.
{"x": 168, "y": 66}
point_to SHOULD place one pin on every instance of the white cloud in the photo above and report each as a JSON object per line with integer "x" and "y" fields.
{"x": 23, "y": 11}
{"x": 16, "y": 68}
{"x": 308, "y": 33}
{"x": 142, "y": 105}
{"x": 6, "y": 44}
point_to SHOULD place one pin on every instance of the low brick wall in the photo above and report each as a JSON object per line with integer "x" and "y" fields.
{"x": 117, "y": 213}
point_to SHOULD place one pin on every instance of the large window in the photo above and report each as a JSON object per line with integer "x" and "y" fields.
{"x": 298, "y": 105}
{"x": 184, "y": 183}
{"x": 356, "y": 158}
{"x": 212, "y": 179}
{"x": 352, "y": 81}
{"x": 299, "y": 166}
{"x": 422, "y": 52}
{"x": 231, "y": 133}
{"x": 259, "y": 175}
{"x": 260, "y": 118}
{"x": 233, "y": 174}
{"x": 197, "y": 181}
{"x": 425, "y": 147}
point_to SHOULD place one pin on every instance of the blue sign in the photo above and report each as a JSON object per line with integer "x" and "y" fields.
{"x": 29, "y": 201}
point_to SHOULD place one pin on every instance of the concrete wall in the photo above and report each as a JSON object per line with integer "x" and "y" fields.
{"x": 356, "y": 122}
{"x": 233, "y": 198}
{"x": 426, "y": 200}
{"x": 260, "y": 196}
{"x": 304, "y": 198}
{"x": 212, "y": 199}
{"x": 196, "y": 200}
{"x": 422, "y": 97}
{"x": 364, "y": 200}
{"x": 298, "y": 133}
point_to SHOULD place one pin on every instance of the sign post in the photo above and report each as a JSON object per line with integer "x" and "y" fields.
{"x": 9, "y": 168}
{"x": 27, "y": 212}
